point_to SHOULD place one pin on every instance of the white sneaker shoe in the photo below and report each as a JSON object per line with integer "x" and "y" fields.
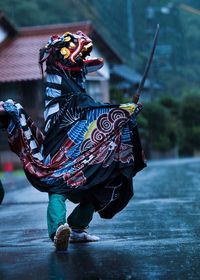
{"x": 61, "y": 238}
{"x": 82, "y": 236}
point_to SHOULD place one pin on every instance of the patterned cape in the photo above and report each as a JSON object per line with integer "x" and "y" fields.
{"x": 91, "y": 148}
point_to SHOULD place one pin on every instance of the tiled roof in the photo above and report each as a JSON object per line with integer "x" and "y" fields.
{"x": 19, "y": 55}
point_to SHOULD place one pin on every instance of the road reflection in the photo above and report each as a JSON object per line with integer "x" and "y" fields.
{"x": 155, "y": 237}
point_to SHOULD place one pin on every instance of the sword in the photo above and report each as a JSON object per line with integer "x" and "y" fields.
{"x": 146, "y": 71}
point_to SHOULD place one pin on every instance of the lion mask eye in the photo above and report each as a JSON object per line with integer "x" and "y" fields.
{"x": 67, "y": 38}
{"x": 72, "y": 45}
{"x": 65, "y": 52}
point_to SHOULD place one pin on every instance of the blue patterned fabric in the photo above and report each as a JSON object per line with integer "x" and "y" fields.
{"x": 87, "y": 146}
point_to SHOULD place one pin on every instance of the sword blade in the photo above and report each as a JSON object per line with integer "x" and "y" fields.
{"x": 149, "y": 62}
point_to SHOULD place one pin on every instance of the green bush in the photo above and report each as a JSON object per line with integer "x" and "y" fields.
{"x": 159, "y": 123}
{"x": 190, "y": 119}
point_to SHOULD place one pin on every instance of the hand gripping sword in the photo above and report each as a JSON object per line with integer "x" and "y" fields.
{"x": 146, "y": 71}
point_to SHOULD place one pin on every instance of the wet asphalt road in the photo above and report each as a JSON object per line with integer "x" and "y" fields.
{"x": 157, "y": 236}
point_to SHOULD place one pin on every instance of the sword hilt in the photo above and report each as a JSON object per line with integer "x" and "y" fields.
{"x": 136, "y": 97}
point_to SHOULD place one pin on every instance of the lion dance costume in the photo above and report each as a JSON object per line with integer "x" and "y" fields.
{"x": 87, "y": 148}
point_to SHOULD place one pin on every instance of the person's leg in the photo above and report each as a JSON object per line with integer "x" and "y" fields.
{"x": 56, "y": 213}
{"x": 79, "y": 221}
{"x": 59, "y": 231}
{"x": 81, "y": 216}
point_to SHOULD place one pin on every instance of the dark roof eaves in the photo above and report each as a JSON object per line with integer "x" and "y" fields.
{"x": 112, "y": 50}
{"x": 45, "y": 29}
{"x": 7, "y": 24}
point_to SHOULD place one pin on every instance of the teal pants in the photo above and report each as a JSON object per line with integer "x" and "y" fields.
{"x": 56, "y": 213}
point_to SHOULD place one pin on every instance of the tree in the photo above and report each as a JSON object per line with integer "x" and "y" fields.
{"x": 159, "y": 127}
{"x": 190, "y": 118}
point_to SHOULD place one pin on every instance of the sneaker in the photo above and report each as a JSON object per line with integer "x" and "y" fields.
{"x": 61, "y": 238}
{"x": 82, "y": 236}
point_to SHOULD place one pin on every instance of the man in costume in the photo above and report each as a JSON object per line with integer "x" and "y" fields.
{"x": 89, "y": 151}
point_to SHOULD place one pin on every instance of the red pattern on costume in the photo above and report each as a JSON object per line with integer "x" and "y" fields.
{"x": 74, "y": 179}
{"x": 60, "y": 156}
